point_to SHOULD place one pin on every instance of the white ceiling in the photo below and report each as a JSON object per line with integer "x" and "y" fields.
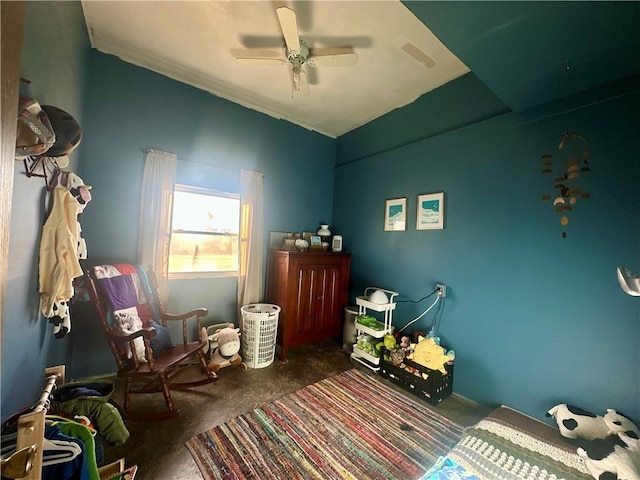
{"x": 196, "y": 42}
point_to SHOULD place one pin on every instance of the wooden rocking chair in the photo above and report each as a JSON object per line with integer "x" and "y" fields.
{"x": 133, "y": 317}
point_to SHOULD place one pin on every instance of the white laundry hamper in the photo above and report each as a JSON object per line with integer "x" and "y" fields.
{"x": 259, "y": 333}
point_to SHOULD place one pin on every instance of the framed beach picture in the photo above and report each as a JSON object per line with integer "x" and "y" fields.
{"x": 430, "y": 211}
{"x": 395, "y": 213}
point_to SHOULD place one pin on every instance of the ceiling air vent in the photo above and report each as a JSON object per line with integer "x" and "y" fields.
{"x": 414, "y": 52}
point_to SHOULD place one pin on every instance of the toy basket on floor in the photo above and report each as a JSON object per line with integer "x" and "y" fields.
{"x": 259, "y": 332}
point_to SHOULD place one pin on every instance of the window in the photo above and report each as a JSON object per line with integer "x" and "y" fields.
{"x": 204, "y": 232}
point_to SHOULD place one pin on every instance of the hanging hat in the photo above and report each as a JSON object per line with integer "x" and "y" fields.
{"x": 67, "y": 131}
{"x": 34, "y": 135}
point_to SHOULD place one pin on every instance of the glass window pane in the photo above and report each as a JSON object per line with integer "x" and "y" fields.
{"x": 205, "y": 213}
{"x": 192, "y": 252}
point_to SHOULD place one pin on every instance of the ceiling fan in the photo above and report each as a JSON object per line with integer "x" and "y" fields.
{"x": 299, "y": 53}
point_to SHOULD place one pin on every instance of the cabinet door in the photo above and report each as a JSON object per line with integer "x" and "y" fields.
{"x": 319, "y": 301}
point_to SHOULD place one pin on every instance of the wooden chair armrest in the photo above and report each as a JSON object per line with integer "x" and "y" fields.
{"x": 148, "y": 333}
{"x": 198, "y": 312}
{"x": 119, "y": 338}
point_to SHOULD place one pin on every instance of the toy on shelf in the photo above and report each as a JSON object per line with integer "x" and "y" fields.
{"x": 373, "y": 335}
{"x": 431, "y": 355}
{"x": 224, "y": 344}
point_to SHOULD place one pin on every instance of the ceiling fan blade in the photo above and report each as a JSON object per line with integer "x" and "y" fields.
{"x": 258, "y": 56}
{"x": 262, "y": 61}
{"x": 288, "y": 23}
{"x": 332, "y": 57}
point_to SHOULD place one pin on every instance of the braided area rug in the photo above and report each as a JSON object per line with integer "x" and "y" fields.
{"x": 349, "y": 426}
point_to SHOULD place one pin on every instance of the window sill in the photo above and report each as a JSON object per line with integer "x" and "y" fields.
{"x": 200, "y": 275}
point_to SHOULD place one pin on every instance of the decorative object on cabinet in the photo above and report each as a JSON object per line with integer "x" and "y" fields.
{"x": 276, "y": 240}
{"x": 302, "y": 245}
{"x": 368, "y": 326}
{"x": 315, "y": 244}
{"x": 336, "y": 243}
{"x": 430, "y": 211}
{"x": 395, "y": 213}
{"x": 323, "y": 232}
{"x": 312, "y": 289}
{"x": 139, "y": 337}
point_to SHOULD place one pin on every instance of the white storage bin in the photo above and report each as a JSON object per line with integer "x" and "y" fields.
{"x": 259, "y": 333}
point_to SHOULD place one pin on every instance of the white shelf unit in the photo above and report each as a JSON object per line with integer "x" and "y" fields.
{"x": 364, "y": 304}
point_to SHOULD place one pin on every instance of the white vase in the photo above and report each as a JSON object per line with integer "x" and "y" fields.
{"x": 324, "y": 231}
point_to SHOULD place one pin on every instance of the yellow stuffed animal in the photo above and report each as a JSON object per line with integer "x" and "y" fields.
{"x": 431, "y": 355}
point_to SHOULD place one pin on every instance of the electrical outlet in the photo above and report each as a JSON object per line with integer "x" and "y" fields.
{"x": 442, "y": 290}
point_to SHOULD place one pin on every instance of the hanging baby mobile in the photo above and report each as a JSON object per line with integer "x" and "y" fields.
{"x": 569, "y": 163}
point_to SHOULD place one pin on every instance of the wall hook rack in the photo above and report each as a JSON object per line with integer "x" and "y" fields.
{"x": 43, "y": 167}
{"x": 31, "y": 165}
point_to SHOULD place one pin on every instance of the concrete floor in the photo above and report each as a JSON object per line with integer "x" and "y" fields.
{"x": 158, "y": 448}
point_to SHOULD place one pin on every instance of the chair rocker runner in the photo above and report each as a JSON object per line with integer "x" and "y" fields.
{"x": 129, "y": 308}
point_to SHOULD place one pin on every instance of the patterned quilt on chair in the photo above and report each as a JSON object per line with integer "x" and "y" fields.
{"x": 128, "y": 292}
{"x": 127, "y": 289}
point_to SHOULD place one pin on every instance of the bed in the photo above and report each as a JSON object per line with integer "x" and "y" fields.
{"x": 506, "y": 445}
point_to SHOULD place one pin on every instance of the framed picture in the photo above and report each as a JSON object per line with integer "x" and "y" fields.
{"x": 395, "y": 215}
{"x": 315, "y": 240}
{"x": 276, "y": 240}
{"x": 430, "y": 211}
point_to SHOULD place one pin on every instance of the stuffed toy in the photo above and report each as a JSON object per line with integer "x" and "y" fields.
{"x": 609, "y": 445}
{"x": 614, "y": 457}
{"x": 226, "y": 353}
{"x": 431, "y": 355}
{"x": 127, "y": 323}
{"x": 574, "y": 422}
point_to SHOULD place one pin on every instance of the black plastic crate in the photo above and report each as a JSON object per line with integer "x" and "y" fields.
{"x": 435, "y": 388}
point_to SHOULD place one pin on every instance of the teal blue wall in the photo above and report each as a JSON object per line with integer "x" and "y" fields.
{"x": 57, "y": 76}
{"x": 130, "y": 109}
{"x": 534, "y": 319}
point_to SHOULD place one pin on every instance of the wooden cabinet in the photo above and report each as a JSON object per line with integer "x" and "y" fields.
{"x": 312, "y": 289}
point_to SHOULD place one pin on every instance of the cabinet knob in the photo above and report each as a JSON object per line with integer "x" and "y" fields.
{"x": 321, "y": 297}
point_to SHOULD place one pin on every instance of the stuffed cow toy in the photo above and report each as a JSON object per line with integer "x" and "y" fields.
{"x": 574, "y": 422}
{"x": 609, "y": 444}
{"x": 226, "y": 353}
{"x": 614, "y": 457}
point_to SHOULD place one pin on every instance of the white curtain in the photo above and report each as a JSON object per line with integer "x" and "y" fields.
{"x": 155, "y": 215}
{"x": 250, "y": 249}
